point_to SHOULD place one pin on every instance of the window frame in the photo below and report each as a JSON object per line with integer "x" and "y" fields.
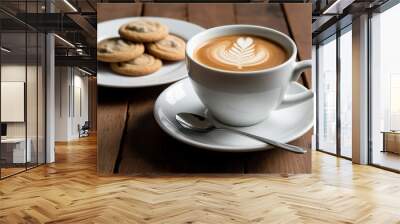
{"x": 334, "y": 37}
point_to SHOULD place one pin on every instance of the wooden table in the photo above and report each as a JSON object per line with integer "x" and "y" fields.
{"x": 130, "y": 141}
{"x": 391, "y": 141}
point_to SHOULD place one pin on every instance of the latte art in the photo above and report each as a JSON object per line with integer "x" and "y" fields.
{"x": 240, "y": 53}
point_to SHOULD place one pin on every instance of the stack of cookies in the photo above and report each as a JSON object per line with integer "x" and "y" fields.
{"x": 140, "y": 49}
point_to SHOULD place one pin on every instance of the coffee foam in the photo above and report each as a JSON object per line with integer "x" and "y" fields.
{"x": 240, "y": 53}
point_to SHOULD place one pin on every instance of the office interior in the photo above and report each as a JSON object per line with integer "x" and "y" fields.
{"x": 356, "y": 81}
{"x": 48, "y": 93}
{"x": 48, "y": 82}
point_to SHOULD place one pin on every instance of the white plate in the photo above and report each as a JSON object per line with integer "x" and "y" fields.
{"x": 283, "y": 125}
{"x": 170, "y": 72}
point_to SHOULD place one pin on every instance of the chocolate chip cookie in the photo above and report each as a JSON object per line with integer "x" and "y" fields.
{"x": 143, "y": 31}
{"x": 142, "y": 65}
{"x": 117, "y": 50}
{"x": 171, "y": 48}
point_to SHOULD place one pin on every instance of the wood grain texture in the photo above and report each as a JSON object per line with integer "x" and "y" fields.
{"x": 112, "y": 103}
{"x": 145, "y": 148}
{"x": 92, "y": 107}
{"x": 262, "y": 14}
{"x": 140, "y": 154}
{"x": 300, "y": 32}
{"x": 217, "y": 14}
{"x": 170, "y": 10}
{"x": 273, "y": 161}
{"x": 107, "y": 11}
{"x": 111, "y": 115}
{"x": 69, "y": 191}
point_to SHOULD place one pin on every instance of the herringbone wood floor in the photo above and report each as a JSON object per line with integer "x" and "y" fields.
{"x": 69, "y": 191}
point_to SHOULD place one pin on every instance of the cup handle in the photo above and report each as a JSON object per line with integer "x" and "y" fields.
{"x": 292, "y": 99}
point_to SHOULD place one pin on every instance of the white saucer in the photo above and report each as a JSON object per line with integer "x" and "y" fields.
{"x": 169, "y": 72}
{"x": 283, "y": 125}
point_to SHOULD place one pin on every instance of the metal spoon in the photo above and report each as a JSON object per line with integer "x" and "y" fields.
{"x": 201, "y": 124}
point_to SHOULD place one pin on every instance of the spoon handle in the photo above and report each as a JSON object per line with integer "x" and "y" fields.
{"x": 287, "y": 147}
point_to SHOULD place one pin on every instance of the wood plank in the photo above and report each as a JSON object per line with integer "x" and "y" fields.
{"x": 262, "y": 14}
{"x": 170, "y": 10}
{"x": 70, "y": 191}
{"x": 107, "y": 11}
{"x": 217, "y": 14}
{"x": 166, "y": 155}
{"x": 92, "y": 107}
{"x": 147, "y": 149}
{"x": 111, "y": 111}
{"x": 112, "y": 103}
{"x": 131, "y": 160}
{"x": 276, "y": 160}
{"x": 300, "y": 31}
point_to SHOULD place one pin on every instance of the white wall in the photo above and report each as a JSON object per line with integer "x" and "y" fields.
{"x": 81, "y": 103}
{"x": 33, "y": 126}
{"x": 62, "y": 81}
{"x": 70, "y": 83}
{"x": 12, "y": 73}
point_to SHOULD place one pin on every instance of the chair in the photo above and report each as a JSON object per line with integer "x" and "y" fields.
{"x": 84, "y": 130}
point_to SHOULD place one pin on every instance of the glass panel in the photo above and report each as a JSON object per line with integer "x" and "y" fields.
{"x": 314, "y": 89}
{"x": 385, "y": 84}
{"x": 346, "y": 94}
{"x": 13, "y": 88}
{"x": 327, "y": 96}
{"x": 22, "y": 88}
{"x": 32, "y": 88}
{"x": 41, "y": 98}
{"x": 31, "y": 98}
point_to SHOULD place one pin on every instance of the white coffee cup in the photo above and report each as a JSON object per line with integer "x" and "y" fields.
{"x": 248, "y": 97}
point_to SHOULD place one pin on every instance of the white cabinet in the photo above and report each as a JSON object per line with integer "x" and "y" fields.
{"x": 16, "y": 150}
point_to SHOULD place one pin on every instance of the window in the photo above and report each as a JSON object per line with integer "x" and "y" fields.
{"x": 327, "y": 96}
{"x": 385, "y": 89}
{"x": 346, "y": 93}
{"x": 335, "y": 74}
{"x": 22, "y": 78}
{"x": 394, "y": 116}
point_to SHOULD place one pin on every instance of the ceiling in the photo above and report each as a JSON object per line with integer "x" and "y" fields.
{"x": 72, "y": 20}
{"x": 75, "y": 21}
{"x": 332, "y": 15}
{"x": 39, "y": 6}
